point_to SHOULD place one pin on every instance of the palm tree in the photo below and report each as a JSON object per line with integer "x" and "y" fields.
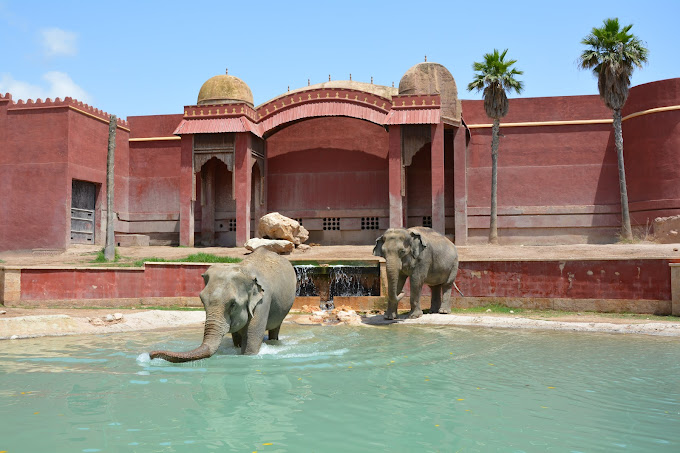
{"x": 612, "y": 53}
{"x": 495, "y": 76}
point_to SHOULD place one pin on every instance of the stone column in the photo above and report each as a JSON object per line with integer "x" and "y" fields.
{"x": 187, "y": 195}
{"x": 208, "y": 204}
{"x": 242, "y": 178}
{"x": 437, "y": 152}
{"x": 395, "y": 175}
{"x": 460, "y": 186}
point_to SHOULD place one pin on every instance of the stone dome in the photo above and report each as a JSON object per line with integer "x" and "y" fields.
{"x": 225, "y": 89}
{"x": 433, "y": 78}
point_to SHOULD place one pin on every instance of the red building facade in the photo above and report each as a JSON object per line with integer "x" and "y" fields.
{"x": 347, "y": 159}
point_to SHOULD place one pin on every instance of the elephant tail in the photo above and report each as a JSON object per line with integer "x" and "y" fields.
{"x": 459, "y": 291}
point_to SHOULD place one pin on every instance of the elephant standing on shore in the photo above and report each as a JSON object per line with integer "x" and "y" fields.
{"x": 425, "y": 256}
{"x": 243, "y": 299}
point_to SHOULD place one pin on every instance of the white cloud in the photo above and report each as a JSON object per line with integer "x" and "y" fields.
{"x": 58, "y": 84}
{"x": 57, "y": 42}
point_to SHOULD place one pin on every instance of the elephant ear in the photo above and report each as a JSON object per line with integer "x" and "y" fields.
{"x": 254, "y": 297}
{"x": 417, "y": 245}
{"x": 377, "y": 250}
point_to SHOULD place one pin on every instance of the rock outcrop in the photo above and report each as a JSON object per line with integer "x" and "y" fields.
{"x": 277, "y": 226}
{"x": 275, "y": 245}
{"x": 667, "y": 229}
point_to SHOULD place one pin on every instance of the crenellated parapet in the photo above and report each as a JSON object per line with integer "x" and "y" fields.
{"x": 67, "y": 102}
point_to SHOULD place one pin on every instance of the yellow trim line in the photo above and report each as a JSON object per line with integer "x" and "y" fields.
{"x": 151, "y": 139}
{"x": 577, "y": 122}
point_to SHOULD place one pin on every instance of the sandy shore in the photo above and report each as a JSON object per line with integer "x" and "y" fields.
{"x": 18, "y": 325}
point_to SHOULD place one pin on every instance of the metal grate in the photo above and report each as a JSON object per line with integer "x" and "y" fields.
{"x": 370, "y": 223}
{"x": 427, "y": 221}
{"x": 298, "y": 221}
{"x": 331, "y": 223}
{"x": 232, "y": 224}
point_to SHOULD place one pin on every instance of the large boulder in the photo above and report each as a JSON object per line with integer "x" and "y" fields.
{"x": 275, "y": 245}
{"x": 277, "y": 226}
{"x": 667, "y": 229}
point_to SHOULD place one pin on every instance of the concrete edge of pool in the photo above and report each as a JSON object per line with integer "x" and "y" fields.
{"x": 21, "y": 327}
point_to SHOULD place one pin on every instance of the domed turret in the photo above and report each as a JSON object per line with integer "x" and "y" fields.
{"x": 433, "y": 78}
{"x": 225, "y": 89}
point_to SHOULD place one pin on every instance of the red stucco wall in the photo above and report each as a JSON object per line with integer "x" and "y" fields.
{"x": 156, "y": 280}
{"x": 154, "y": 174}
{"x": 328, "y": 164}
{"x": 652, "y": 151}
{"x": 33, "y": 179}
{"x": 555, "y": 182}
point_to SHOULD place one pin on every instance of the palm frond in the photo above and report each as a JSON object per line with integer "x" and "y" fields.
{"x": 495, "y": 76}
{"x": 612, "y": 52}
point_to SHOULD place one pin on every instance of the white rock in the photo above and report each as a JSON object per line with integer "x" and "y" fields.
{"x": 3, "y": 312}
{"x": 277, "y": 226}
{"x": 14, "y": 337}
{"x": 275, "y": 245}
{"x": 117, "y": 316}
{"x": 303, "y": 247}
{"x": 109, "y": 318}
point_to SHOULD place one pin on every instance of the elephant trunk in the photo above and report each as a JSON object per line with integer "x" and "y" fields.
{"x": 393, "y": 268}
{"x": 212, "y": 337}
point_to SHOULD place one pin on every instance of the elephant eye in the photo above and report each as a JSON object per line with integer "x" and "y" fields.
{"x": 402, "y": 252}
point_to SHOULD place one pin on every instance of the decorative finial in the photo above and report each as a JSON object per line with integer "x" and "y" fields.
{"x": 350, "y": 76}
{"x": 288, "y": 87}
{"x": 308, "y": 82}
{"x": 329, "y": 77}
{"x": 392, "y": 84}
{"x": 226, "y": 71}
{"x": 371, "y": 80}
{"x": 425, "y": 58}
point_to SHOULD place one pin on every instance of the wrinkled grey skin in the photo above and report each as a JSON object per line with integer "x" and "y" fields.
{"x": 424, "y": 256}
{"x": 243, "y": 299}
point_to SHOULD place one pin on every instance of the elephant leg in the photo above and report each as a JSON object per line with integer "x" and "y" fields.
{"x": 446, "y": 290}
{"x": 274, "y": 333}
{"x": 236, "y": 338}
{"x": 416, "y": 287}
{"x": 446, "y": 298}
{"x": 436, "y": 299}
{"x": 392, "y": 306}
{"x": 254, "y": 331}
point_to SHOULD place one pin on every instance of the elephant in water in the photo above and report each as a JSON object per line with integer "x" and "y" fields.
{"x": 426, "y": 257}
{"x": 243, "y": 299}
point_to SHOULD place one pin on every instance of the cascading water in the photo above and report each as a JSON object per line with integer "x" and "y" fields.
{"x": 327, "y": 281}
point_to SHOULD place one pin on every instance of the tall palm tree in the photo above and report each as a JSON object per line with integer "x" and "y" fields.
{"x": 612, "y": 53}
{"x": 495, "y": 76}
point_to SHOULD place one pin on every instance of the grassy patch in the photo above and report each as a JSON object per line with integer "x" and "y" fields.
{"x": 195, "y": 258}
{"x": 100, "y": 257}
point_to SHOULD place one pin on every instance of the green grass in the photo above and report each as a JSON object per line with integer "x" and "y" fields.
{"x": 121, "y": 261}
{"x": 100, "y": 257}
{"x": 195, "y": 258}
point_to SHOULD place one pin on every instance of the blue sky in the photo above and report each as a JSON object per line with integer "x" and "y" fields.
{"x": 151, "y": 57}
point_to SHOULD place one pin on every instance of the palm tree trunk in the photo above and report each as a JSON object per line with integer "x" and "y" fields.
{"x": 493, "y": 221}
{"x": 626, "y": 231}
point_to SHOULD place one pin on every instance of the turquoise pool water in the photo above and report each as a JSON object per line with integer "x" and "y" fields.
{"x": 343, "y": 389}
